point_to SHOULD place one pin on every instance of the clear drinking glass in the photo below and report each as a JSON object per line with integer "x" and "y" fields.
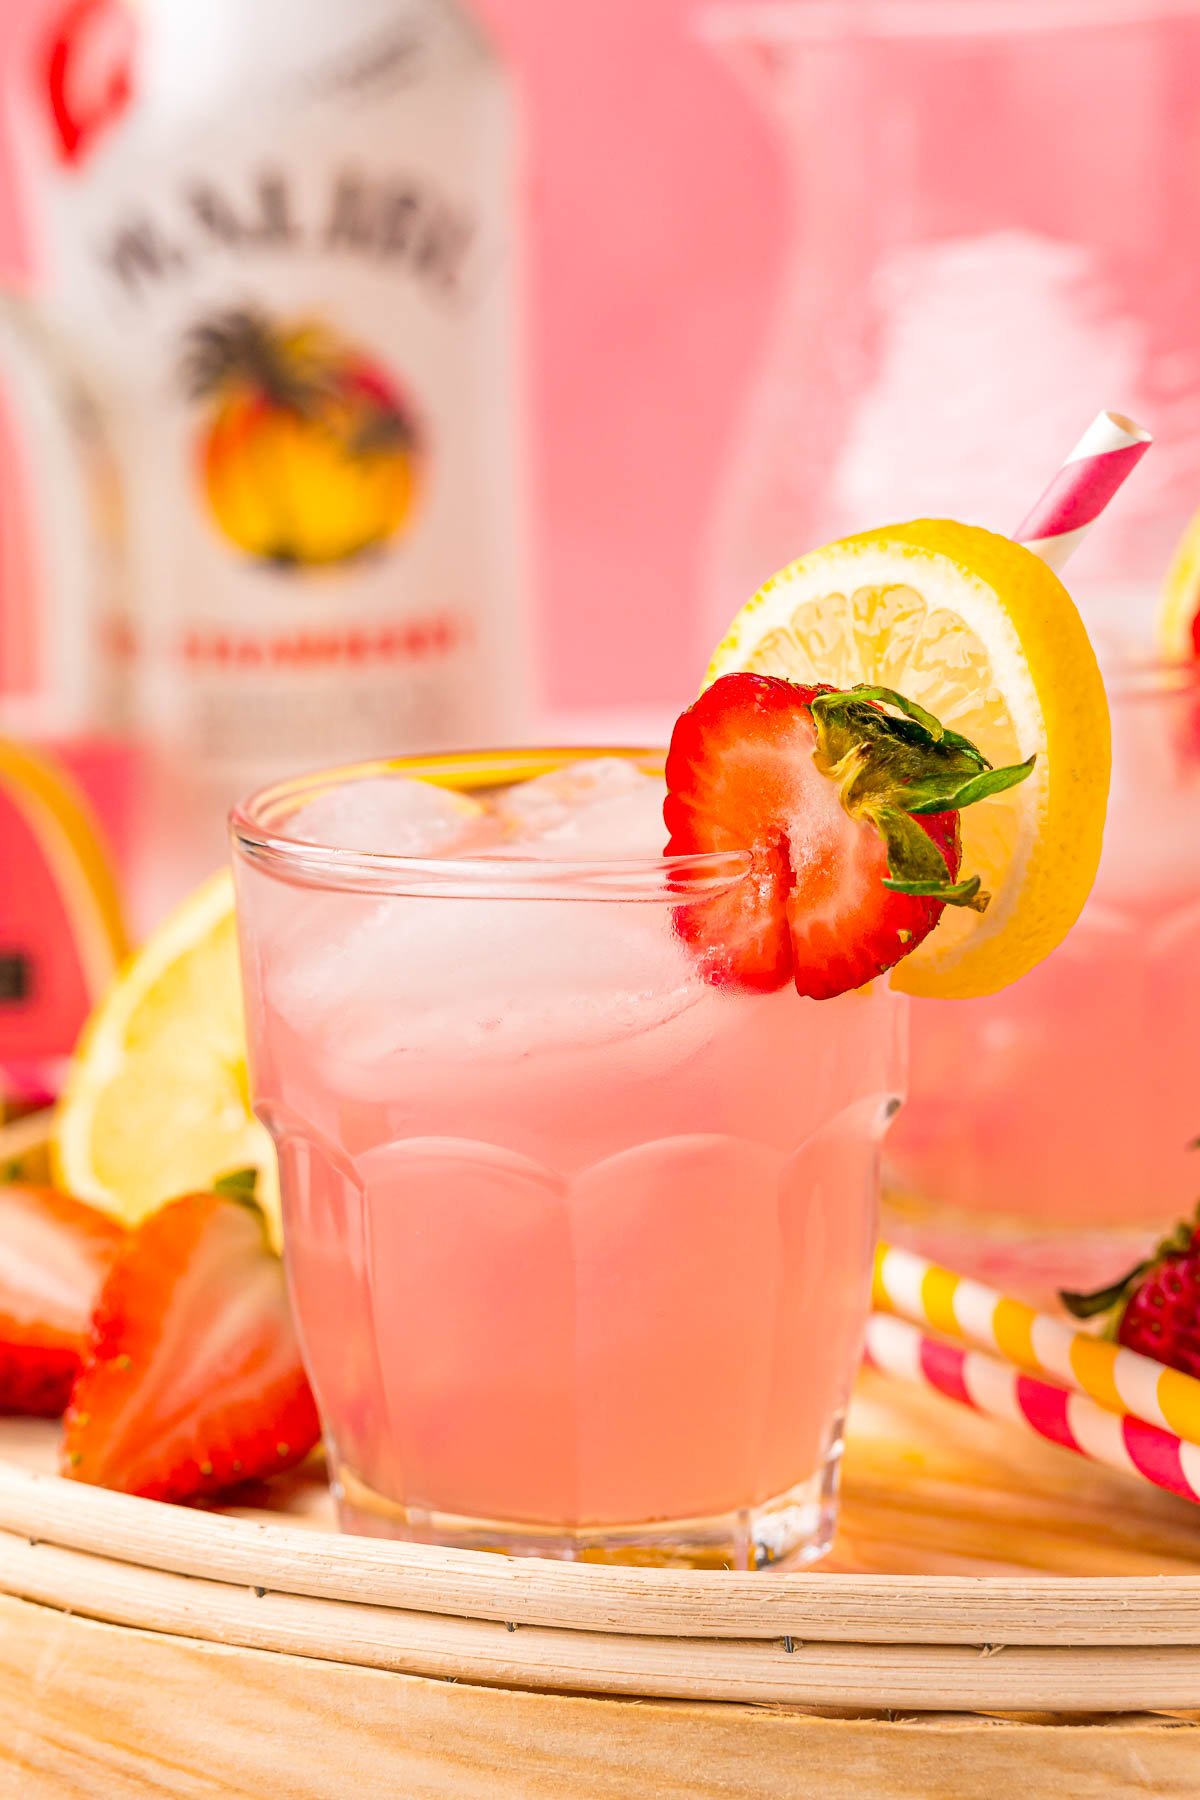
{"x": 579, "y": 1244}
{"x": 988, "y": 204}
{"x": 1047, "y": 1133}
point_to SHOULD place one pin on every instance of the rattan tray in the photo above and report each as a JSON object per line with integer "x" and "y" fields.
{"x": 993, "y": 1607}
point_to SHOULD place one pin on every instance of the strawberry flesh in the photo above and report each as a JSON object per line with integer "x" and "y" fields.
{"x": 54, "y": 1255}
{"x": 742, "y": 774}
{"x": 192, "y": 1380}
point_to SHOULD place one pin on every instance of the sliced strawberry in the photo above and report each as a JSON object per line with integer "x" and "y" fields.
{"x": 192, "y": 1380}
{"x": 54, "y": 1254}
{"x": 848, "y": 814}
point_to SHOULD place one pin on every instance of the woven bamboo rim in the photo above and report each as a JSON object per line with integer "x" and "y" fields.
{"x": 943, "y": 1643}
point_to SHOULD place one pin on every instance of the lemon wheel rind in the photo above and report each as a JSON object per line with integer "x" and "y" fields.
{"x": 1045, "y": 669}
{"x": 1180, "y": 604}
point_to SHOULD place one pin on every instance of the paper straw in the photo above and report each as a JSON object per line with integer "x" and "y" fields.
{"x": 1052, "y": 1412}
{"x": 1107, "y": 453}
{"x": 1119, "y": 1380}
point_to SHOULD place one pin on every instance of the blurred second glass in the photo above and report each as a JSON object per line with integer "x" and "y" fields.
{"x": 1049, "y": 1130}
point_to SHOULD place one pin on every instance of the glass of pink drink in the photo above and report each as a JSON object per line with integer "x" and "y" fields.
{"x": 579, "y": 1243}
{"x": 1046, "y": 1138}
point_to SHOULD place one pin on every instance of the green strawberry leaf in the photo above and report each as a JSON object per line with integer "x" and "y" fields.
{"x": 931, "y": 728}
{"x": 950, "y": 893}
{"x": 1090, "y": 1306}
{"x": 242, "y": 1185}
{"x": 916, "y": 865}
{"x": 931, "y": 725}
{"x": 239, "y": 1184}
{"x": 872, "y": 755}
{"x": 878, "y": 759}
{"x": 938, "y": 793}
{"x": 892, "y": 766}
{"x": 889, "y": 697}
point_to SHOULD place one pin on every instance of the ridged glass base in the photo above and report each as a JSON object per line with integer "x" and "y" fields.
{"x": 791, "y": 1530}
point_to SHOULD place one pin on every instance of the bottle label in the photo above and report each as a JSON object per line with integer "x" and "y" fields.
{"x": 294, "y": 310}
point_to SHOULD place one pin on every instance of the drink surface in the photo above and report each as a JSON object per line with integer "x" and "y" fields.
{"x": 607, "y": 1227}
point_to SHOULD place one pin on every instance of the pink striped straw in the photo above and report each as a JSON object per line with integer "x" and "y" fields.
{"x": 1038, "y": 1343}
{"x": 1105, "y": 456}
{"x": 1054, "y": 1413}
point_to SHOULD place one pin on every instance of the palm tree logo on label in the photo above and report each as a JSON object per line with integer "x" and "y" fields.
{"x": 310, "y": 453}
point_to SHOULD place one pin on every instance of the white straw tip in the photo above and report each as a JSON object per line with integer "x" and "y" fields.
{"x": 1137, "y": 434}
{"x": 1111, "y": 431}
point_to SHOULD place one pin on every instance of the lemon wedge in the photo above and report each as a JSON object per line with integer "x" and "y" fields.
{"x": 977, "y": 630}
{"x": 157, "y": 1102}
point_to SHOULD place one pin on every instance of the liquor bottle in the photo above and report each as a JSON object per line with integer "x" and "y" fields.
{"x": 274, "y": 247}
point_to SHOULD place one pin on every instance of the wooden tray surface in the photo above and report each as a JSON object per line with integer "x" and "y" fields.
{"x": 976, "y": 1574}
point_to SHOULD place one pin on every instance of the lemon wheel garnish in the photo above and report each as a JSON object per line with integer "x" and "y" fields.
{"x": 977, "y": 630}
{"x": 1178, "y": 629}
{"x": 157, "y": 1102}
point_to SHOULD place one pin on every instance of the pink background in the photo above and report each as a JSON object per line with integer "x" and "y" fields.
{"x": 654, "y": 214}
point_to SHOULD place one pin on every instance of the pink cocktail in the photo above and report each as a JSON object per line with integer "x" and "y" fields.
{"x": 579, "y": 1243}
{"x": 1048, "y": 1130}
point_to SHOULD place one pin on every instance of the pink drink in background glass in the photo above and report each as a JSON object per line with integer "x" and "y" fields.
{"x": 1049, "y": 1125}
{"x": 579, "y": 1244}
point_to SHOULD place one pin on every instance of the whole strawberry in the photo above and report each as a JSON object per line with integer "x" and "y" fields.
{"x": 1155, "y": 1309}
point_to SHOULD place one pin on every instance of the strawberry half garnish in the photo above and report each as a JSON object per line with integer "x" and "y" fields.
{"x": 1155, "y": 1309}
{"x": 54, "y": 1255}
{"x": 849, "y": 813}
{"x": 192, "y": 1380}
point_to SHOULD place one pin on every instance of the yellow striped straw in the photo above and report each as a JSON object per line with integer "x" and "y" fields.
{"x": 956, "y": 1307}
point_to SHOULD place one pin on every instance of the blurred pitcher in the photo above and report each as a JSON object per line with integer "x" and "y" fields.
{"x": 995, "y": 206}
